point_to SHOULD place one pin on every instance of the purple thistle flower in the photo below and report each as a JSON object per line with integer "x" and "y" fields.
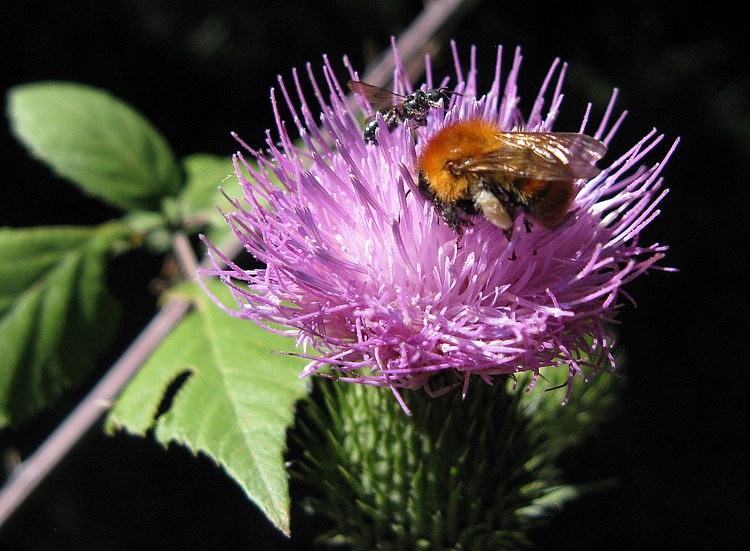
{"x": 364, "y": 272}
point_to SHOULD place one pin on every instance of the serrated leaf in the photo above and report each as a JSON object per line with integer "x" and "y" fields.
{"x": 56, "y": 314}
{"x": 96, "y": 141}
{"x": 235, "y": 405}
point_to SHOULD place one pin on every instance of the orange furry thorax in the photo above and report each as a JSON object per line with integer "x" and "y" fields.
{"x": 458, "y": 141}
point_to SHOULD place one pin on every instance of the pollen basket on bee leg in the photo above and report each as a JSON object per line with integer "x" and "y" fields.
{"x": 492, "y": 208}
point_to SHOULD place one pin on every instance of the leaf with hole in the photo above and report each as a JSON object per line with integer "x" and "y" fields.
{"x": 235, "y": 401}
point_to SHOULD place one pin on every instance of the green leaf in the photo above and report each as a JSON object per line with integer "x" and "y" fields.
{"x": 205, "y": 176}
{"x": 56, "y": 314}
{"x": 96, "y": 141}
{"x": 591, "y": 402}
{"x": 235, "y": 405}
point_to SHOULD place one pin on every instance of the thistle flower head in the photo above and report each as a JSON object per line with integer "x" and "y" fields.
{"x": 375, "y": 286}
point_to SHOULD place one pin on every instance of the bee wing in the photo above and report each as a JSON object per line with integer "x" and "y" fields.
{"x": 379, "y": 98}
{"x": 541, "y": 155}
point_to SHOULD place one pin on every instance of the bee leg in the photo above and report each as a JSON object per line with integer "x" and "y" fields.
{"x": 368, "y": 133}
{"x": 393, "y": 117}
{"x": 420, "y": 119}
{"x": 449, "y": 212}
{"x": 508, "y": 234}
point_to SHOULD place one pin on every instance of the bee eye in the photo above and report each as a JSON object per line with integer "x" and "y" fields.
{"x": 452, "y": 168}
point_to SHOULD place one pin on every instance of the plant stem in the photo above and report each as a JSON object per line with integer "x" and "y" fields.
{"x": 27, "y": 476}
{"x": 31, "y": 472}
{"x": 414, "y": 41}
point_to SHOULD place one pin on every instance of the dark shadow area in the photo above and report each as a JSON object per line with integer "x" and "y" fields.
{"x": 200, "y": 70}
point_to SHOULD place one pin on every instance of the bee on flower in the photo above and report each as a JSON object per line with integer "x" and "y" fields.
{"x": 471, "y": 241}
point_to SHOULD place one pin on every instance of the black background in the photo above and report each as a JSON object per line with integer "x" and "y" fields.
{"x": 199, "y": 71}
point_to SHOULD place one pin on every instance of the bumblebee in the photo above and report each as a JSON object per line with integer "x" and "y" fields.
{"x": 471, "y": 167}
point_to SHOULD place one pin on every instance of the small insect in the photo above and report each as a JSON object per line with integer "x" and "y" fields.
{"x": 471, "y": 167}
{"x": 396, "y": 108}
